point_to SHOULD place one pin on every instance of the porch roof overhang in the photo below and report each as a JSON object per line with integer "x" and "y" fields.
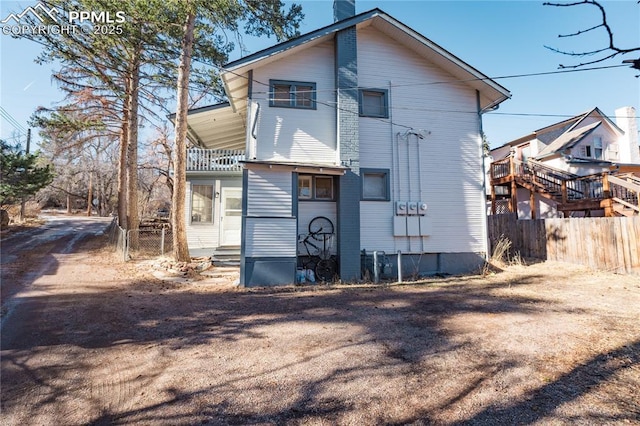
{"x": 217, "y": 127}
{"x": 311, "y": 168}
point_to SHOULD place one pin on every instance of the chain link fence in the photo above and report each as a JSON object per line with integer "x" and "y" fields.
{"x": 143, "y": 243}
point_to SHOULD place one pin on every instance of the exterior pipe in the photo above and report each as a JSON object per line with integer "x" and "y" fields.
{"x": 485, "y": 231}
{"x": 376, "y": 271}
{"x": 399, "y": 266}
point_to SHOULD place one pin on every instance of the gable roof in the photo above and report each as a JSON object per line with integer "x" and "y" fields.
{"x": 237, "y": 82}
{"x": 568, "y": 140}
{"x": 574, "y": 121}
{"x": 571, "y": 133}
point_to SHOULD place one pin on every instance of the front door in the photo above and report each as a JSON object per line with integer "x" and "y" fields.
{"x": 230, "y": 216}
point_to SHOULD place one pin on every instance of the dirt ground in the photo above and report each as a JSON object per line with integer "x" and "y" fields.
{"x": 96, "y": 341}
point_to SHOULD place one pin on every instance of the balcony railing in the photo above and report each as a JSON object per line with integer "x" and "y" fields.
{"x": 214, "y": 160}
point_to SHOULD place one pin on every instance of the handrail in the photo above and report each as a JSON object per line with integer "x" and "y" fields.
{"x": 568, "y": 187}
{"x": 625, "y": 193}
{"x": 624, "y": 183}
{"x": 560, "y": 173}
{"x": 214, "y": 160}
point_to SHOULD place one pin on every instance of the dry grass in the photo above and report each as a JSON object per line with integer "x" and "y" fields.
{"x": 99, "y": 342}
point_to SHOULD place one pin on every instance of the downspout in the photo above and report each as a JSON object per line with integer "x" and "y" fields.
{"x": 394, "y": 160}
{"x": 420, "y": 194}
{"x": 485, "y": 233}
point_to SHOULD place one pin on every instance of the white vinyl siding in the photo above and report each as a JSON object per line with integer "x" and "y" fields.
{"x": 307, "y": 210}
{"x": 291, "y": 134}
{"x": 201, "y": 235}
{"x": 443, "y": 169}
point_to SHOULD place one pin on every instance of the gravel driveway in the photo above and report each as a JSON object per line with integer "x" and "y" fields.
{"x": 96, "y": 341}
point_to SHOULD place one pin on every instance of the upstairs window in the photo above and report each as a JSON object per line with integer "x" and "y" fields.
{"x": 597, "y": 148}
{"x": 292, "y": 94}
{"x": 373, "y": 103}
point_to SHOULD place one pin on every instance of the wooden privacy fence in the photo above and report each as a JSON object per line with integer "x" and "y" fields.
{"x": 603, "y": 243}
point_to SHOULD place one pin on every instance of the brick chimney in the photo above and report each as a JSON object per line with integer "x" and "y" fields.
{"x": 348, "y": 208}
{"x": 343, "y": 9}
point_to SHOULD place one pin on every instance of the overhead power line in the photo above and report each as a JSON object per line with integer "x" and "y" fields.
{"x": 14, "y": 123}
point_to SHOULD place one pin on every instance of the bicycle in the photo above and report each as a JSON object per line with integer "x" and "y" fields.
{"x": 319, "y": 259}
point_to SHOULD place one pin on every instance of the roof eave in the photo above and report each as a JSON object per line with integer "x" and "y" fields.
{"x": 492, "y": 93}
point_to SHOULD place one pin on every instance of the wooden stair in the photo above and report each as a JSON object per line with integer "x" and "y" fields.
{"x": 617, "y": 195}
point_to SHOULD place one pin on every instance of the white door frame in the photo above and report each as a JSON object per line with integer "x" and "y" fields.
{"x": 234, "y": 221}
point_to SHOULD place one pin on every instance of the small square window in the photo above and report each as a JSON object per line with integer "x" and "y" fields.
{"x": 373, "y": 103}
{"x": 324, "y": 188}
{"x": 304, "y": 187}
{"x": 318, "y": 187}
{"x": 375, "y": 185}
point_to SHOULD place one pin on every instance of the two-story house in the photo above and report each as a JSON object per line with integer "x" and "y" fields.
{"x": 571, "y": 156}
{"x": 364, "y": 122}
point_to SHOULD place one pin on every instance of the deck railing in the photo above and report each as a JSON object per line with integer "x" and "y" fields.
{"x": 214, "y": 160}
{"x": 625, "y": 191}
{"x": 568, "y": 188}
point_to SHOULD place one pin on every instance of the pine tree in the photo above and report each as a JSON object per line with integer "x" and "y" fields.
{"x": 21, "y": 175}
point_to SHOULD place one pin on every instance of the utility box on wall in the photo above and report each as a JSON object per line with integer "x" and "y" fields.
{"x": 425, "y": 226}
{"x": 413, "y": 226}
{"x": 410, "y": 219}
{"x": 399, "y": 226}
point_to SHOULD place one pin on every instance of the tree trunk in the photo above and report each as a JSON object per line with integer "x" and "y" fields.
{"x": 180, "y": 247}
{"x": 90, "y": 197}
{"x": 132, "y": 150}
{"x": 122, "y": 161}
{"x": 69, "y": 209}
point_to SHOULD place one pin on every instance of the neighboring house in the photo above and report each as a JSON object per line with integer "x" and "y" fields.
{"x": 365, "y": 122}
{"x": 576, "y": 153}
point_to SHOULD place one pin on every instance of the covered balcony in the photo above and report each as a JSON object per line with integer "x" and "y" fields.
{"x": 214, "y": 160}
{"x": 217, "y": 136}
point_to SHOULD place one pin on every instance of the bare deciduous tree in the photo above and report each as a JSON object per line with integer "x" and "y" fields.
{"x": 602, "y": 54}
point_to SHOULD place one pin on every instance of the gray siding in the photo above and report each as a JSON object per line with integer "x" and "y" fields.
{"x": 271, "y": 237}
{"x": 269, "y": 193}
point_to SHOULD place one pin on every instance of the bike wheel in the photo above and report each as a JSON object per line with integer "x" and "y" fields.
{"x": 326, "y": 270}
{"x": 319, "y": 227}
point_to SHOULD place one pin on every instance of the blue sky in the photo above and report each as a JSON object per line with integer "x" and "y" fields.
{"x": 499, "y": 38}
